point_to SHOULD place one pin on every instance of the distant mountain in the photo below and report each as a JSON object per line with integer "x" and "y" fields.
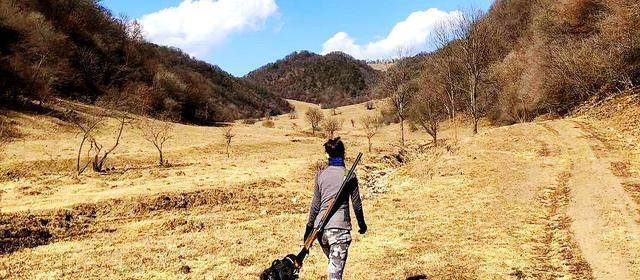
{"x": 77, "y": 50}
{"x": 334, "y": 79}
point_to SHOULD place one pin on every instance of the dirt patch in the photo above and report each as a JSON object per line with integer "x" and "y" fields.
{"x": 621, "y": 169}
{"x": 557, "y": 253}
{"x": 19, "y": 231}
{"x": 26, "y": 230}
{"x": 634, "y": 190}
{"x": 603, "y": 144}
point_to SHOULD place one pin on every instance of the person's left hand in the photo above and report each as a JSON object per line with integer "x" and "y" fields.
{"x": 363, "y": 229}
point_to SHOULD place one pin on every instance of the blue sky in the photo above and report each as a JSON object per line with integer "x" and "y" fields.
{"x": 241, "y": 35}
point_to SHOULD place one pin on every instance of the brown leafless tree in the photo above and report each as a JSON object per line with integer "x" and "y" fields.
{"x": 331, "y": 125}
{"x": 228, "y": 135}
{"x": 371, "y": 124}
{"x": 445, "y": 69}
{"x": 314, "y": 117}
{"x": 156, "y": 132}
{"x": 428, "y": 111}
{"x": 100, "y": 154}
{"x": 399, "y": 91}
{"x": 471, "y": 50}
{"x": 86, "y": 130}
{"x": 96, "y": 152}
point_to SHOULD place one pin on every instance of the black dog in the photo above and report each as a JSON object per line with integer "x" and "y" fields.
{"x": 284, "y": 269}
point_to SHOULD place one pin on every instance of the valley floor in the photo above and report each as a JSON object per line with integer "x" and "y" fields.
{"x": 543, "y": 200}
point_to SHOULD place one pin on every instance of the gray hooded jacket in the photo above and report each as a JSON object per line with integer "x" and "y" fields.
{"x": 327, "y": 184}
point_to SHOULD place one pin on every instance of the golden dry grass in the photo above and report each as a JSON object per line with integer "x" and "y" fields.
{"x": 493, "y": 206}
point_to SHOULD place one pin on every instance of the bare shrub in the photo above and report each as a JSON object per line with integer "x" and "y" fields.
{"x": 331, "y": 125}
{"x": 269, "y": 123}
{"x": 371, "y": 124}
{"x": 388, "y": 116}
{"x": 97, "y": 153}
{"x": 157, "y": 133}
{"x": 228, "y": 135}
{"x": 317, "y": 166}
{"x": 314, "y": 117}
{"x": 515, "y": 101}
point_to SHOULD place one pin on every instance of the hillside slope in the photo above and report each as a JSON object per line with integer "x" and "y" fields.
{"x": 79, "y": 51}
{"x": 334, "y": 79}
{"x": 542, "y": 200}
{"x": 540, "y": 57}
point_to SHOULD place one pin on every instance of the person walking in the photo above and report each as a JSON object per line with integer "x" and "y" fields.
{"x": 335, "y": 238}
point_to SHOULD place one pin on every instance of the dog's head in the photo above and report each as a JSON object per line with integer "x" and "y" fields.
{"x": 284, "y": 269}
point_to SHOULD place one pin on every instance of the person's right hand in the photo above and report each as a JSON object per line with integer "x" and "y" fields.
{"x": 363, "y": 228}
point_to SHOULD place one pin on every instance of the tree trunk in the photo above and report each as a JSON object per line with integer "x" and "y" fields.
{"x": 435, "y": 139}
{"x": 475, "y": 125}
{"x": 402, "y": 131}
{"x": 97, "y": 164}
{"x": 79, "y": 155}
{"x": 369, "y": 144}
{"x": 455, "y": 125}
{"x": 161, "y": 158}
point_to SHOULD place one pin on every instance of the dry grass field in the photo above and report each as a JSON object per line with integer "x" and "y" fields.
{"x": 544, "y": 200}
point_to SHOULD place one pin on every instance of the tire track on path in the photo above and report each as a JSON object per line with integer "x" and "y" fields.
{"x": 603, "y": 215}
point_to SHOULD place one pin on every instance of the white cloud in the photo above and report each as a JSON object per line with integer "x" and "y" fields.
{"x": 198, "y": 26}
{"x": 413, "y": 33}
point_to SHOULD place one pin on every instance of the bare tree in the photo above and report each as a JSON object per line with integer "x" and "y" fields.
{"x": 314, "y": 116}
{"x": 400, "y": 91}
{"x": 96, "y": 152}
{"x": 331, "y": 125}
{"x": 86, "y": 129}
{"x": 428, "y": 111}
{"x": 100, "y": 156}
{"x": 445, "y": 69}
{"x": 157, "y": 133}
{"x": 371, "y": 124}
{"x": 404, "y": 51}
{"x": 228, "y": 135}
{"x": 471, "y": 50}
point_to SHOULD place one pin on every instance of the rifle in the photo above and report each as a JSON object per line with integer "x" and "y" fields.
{"x": 325, "y": 217}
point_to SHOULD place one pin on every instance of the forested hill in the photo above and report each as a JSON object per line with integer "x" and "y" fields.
{"x": 526, "y": 58}
{"x": 334, "y": 79}
{"x": 78, "y": 50}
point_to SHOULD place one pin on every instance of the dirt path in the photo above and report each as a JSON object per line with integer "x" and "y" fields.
{"x": 603, "y": 215}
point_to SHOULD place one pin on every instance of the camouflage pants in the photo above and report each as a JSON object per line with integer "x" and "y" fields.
{"x": 335, "y": 244}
